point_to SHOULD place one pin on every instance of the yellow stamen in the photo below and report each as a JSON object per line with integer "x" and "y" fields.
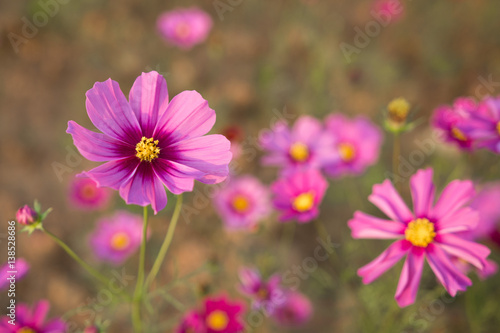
{"x": 217, "y": 320}
{"x": 26, "y": 330}
{"x": 88, "y": 191}
{"x": 120, "y": 241}
{"x": 347, "y": 152}
{"x": 398, "y": 109}
{"x": 147, "y": 149}
{"x": 299, "y": 152}
{"x": 182, "y": 30}
{"x": 303, "y": 202}
{"x": 240, "y": 203}
{"x": 420, "y": 232}
{"x": 498, "y": 128}
{"x": 458, "y": 134}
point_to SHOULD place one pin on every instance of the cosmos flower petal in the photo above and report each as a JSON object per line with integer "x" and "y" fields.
{"x": 471, "y": 252}
{"x": 384, "y": 261}
{"x": 409, "y": 280}
{"x": 306, "y": 128}
{"x": 367, "y": 226}
{"x": 55, "y": 326}
{"x": 453, "y": 197}
{"x": 110, "y": 112}
{"x": 178, "y": 178}
{"x": 187, "y": 116}
{"x": 462, "y": 220}
{"x": 450, "y": 277}
{"x": 114, "y": 173}
{"x": 422, "y": 192}
{"x": 97, "y": 147}
{"x": 387, "y": 199}
{"x": 149, "y": 100}
{"x": 40, "y": 311}
{"x": 490, "y": 268}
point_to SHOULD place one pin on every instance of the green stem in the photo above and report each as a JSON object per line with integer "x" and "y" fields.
{"x": 396, "y": 151}
{"x": 166, "y": 242}
{"x": 136, "y": 305}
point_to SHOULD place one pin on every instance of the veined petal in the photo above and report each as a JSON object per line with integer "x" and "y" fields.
{"x": 450, "y": 277}
{"x": 471, "y": 252}
{"x": 410, "y": 277}
{"x": 109, "y": 111}
{"x": 422, "y": 192}
{"x": 40, "y": 311}
{"x": 114, "y": 173}
{"x": 462, "y": 220}
{"x": 387, "y": 199}
{"x": 187, "y": 116}
{"x": 367, "y": 226}
{"x": 98, "y": 147}
{"x": 384, "y": 261}
{"x": 178, "y": 178}
{"x": 454, "y": 196}
{"x": 149, "y": 100}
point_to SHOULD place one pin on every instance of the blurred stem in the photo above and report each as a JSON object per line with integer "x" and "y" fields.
{"x": 136, "y": 306}
{"x": 166, "y": 243}
{"x": 323, "y": 234}
{"x": 396, "y": 151}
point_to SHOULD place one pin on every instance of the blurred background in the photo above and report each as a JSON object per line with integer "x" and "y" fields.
{"x": 261, "y": 62}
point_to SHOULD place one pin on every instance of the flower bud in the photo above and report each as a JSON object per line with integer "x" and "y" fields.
{"x": 26, "y": 215}
{"x": 398, "y": 110}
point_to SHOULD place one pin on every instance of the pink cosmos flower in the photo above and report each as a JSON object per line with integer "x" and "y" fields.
{"x": 299, "y": 195}
{"x": 295, "y": 311}
{"x": 242, "y": 203}
{"x": 117, "y": 237}
{"x": 185, "y": 27}
{"x": 84, "y": 194}
{"x": 28, "y": 321}
{"x": 149, "y": 142}
{"x": 485, "y": 125}
{"x": 20, "y": 269}
{"x": 267, "y": 295}
{"x": 26, "y": 215}
{"x": 306, "y": 145}
{"x": 450, "y": 121}
{"x": 391, "y": 10}
{"x": 192, "y": 322}
{"x": 356, "y": 141}
{"x": 429, "y": 232}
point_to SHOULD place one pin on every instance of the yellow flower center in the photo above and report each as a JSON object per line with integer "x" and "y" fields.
{"x": 147, "y": 149}
{"x": 420, "y": 232}
{"x": 458, "y": 134}
{"x": 303, "y": 202}
{"x": 398, "y": 109}
{"x": 120, "y": 241}
{"x": 217, "y": 320}
{"x": 88, "y": 191}
{"x": 26, "y": 330}
{"x": 262, "y": 293}
{"x": 498, "y": 128}
{"x": 240, "y": 204}
{"x": 347, "y": 152}
{"x": 182, "y": 30}
{"x": 299, "y": 152}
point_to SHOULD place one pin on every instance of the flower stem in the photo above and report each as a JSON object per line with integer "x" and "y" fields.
{"x": 79, "y": 260}
{"x": 136, "y": 305}
{"x": 396, "y": 151}
{"x": 166, "y": 242}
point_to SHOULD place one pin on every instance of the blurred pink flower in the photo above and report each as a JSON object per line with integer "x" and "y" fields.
{"x": 484, "y": 126}
{"x": 117, "y": 237}
{"x": 267, "y": 295}
{"x": 26, "y": 215}
{"x": 392, "y": 9}
{"x": 192, "y": 322}
{"x": 429, "y": 232}
{"x": 185, "y": 27}
{"x": 28, "y": 321}
{"x": 295, "y": 311}
{"x": 148, "y": 142}
{"x": 84, "y": 194}
{"x": 356, "y": 141}
{"x": 299, "y": 195}
{"x": 21, "y": 268}
{"x": 242, "y": 202}
{"x": 304, "y": 146}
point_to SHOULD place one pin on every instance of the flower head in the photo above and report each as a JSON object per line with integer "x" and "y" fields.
{"x": 356, "y": 141}
{"x": 21, "y": 268}
{"x": 26, "y": 215}
{"x": 185, "y": 27}
{"x": 484, "y": 125}
{"x": 267, "y": 295}
{"x": 431, "y": 231}
{"x": 192, "y": 322}
{"x": 84, "y": 194}
{"x": 150, "y": 142}
{"x": 117, "y": 237}
{"x": 32, "y": 321}
{"x": 295, "y": 310}
{"x": 299, "y": 195}
{"x": 242, "y": 203}
{"x": 392, "y": 10}
{"x": 306, "y": 145}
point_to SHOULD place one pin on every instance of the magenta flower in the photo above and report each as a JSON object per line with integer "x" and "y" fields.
{"x": 19, "y": 270}
{"x": 295, "y": 311}
{"x": 192, "y": 322}
{"x": 485, "y": 125}
{"x": 149, "y": 142}
{"x": 429, "y": 232}
{"x": 26, "y": 215}
{"x": 242, "y": 203}
{"x": 28, "y": 321}
{"x": 185, "y": 27}
{"x": 391, "y": 10}
{"x": 117, "y": 237}
{"x": 306, "y": 145}
{"x": 267, "y": 295}
{"x": 84, "y": 194}
{"x": 222, "y": 316}
{"x": 356, "y": 141}
{"x": 299, "y": 195}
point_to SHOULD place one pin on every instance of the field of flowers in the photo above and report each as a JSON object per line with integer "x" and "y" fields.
{"x": 231, "y": 166}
